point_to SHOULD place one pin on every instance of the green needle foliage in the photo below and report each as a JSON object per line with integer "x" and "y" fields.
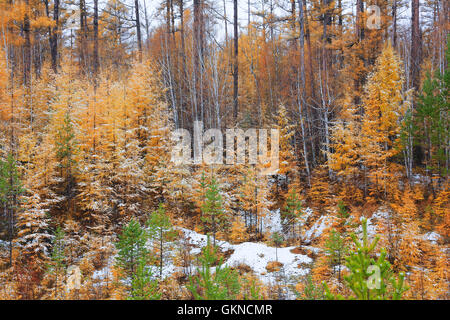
{"x": 222, "y": 284}
{"x": 213, "y": 215}
{"x": 369, "y": 279}
{"x": 57, "y": 264}
{"x": 58, "y": 255}
{"x": 293, "y": 209}
{"x": 311, "y": 291}
{"x": 429, "y": 123}
{"x": 160, "y": 229}
{"x": 131, "y": 247}
{"x": 133, "y": 258}
{"x": 336, "y": 251}
{"x": 65, "y": 144}
{"x": 342, "y": 210}
{"x": 253, "y": 291}
{"x": 10, "y": 190}
{"x": 10, "y": 185}
{"x": 277, "y": 240}
{"x": 143, "y": 286}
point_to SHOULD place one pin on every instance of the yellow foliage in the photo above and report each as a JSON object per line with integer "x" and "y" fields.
{"x": 238, "y": 231}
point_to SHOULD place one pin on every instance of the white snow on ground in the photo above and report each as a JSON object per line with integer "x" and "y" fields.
{"x": 384, "y": 214}
{"x": 168, "y": 269}
{"x": 254, "y": 255}
{"x": 258, "y": 255}
{"x": 307, "y": 213}
{"x": 101, "y": 274}
{"x": 372, "y": 231}
{"x": 272, "y": 222}
{"x": 317, "y": 228}
{"x": 433, "y": 237}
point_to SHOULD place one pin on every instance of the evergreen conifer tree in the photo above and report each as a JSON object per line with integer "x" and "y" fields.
{"x": 160, "y": 228}
{"x": 10, "y": 190}
{"x": 131, "y": 247}
{"x": 277, "y": 240}
{"x": 133, "y": 259}
{"x": 57, "y": 264}
{"x": 222, "y": 284}
{"x": 213, "y": 215}
{"x": 336, "y": 250}
{"x": 430, "y": 126}
{"x": 369, "y": 279}
{"x": 143, "y": 286}
{"x": 292, "y": 210}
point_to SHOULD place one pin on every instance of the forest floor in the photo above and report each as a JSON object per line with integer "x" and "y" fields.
{"x": 288, "y": 264}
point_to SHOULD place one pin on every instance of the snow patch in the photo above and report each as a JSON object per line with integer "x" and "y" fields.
{"x": 433, "y": 237}
{"x": 272, "y": 222}
{"x": 317, "y": 229}
{"x": 254, "y": 255}
{"x": 258, "y": 255}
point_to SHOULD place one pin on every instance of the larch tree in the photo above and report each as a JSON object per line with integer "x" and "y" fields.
{"x": 383, "y": 109}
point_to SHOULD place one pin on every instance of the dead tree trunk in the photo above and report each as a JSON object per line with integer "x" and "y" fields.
{"x": 359, "y": 20}
{"x": 301, "y": 86}
{"x": 394, "y": 24}
{"x": 416, "y": 46}
{"x": 138, "y": 29}
{"x": 27, "y": 48}
{"x": 236, "y": 63}
{"x": 197, "y": 53}
{"x": 96, "y": 58}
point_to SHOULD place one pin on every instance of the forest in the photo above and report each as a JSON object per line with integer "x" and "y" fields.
{"x": 94, "y": 207}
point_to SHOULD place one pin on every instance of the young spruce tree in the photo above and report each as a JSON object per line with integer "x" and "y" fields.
{"x": 213, "y": 215}
{"x": 132, "y": 259}
{"x": 369, "y": 278}
{"x": 160, "y": 229}
{"x": 222, "y": 284}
